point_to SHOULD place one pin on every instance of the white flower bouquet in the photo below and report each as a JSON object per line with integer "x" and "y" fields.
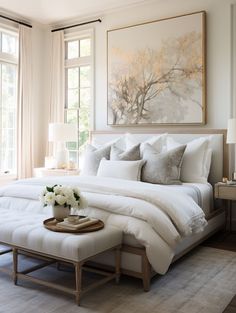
{"x": 67, "y": 196}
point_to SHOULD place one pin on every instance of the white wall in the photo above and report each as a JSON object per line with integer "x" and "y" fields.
{"x": 218, "y": 52}
{"x": 218, "y": 61}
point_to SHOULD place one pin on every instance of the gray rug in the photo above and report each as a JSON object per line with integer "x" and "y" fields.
{"x": 202, "y": 282}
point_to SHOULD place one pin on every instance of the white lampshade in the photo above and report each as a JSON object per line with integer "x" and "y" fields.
{"x": 231, "y": 132}
{"x": 62, "y": 132}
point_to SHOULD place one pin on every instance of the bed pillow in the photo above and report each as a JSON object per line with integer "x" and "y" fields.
{"x": 132, "y": 154}
{"x": 120, "y": 142}
{"x": 162, "y": 168}
{"x": 129, "y": 170}
{"x": 93, "y": 157}
{"x": 196, "y": 160}
{"x": 158, "y": 142}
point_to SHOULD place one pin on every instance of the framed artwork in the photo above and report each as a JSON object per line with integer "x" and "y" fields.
{"x": 156, "y": 72}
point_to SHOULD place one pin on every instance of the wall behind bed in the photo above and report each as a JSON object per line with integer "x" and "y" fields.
{"x": 218, "y": 52}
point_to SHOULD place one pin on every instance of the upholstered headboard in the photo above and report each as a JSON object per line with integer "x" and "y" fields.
{"x": 220, "y": 159}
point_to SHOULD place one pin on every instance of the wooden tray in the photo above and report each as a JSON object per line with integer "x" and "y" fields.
{"x": 51, "y": 224}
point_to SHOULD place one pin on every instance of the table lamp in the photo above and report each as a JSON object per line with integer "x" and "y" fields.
{"x": 231, "y": 136}
{"x": 59, "y": 134}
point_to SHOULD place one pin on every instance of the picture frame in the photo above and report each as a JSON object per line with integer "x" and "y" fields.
{"x": 156, "y": 72}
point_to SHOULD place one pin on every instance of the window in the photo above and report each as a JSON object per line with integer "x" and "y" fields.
{"x": 8, "y": 101}
{"x": 78, "y": 107}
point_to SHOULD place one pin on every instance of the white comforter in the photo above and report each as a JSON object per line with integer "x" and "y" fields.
{"x": 156, "y": 217}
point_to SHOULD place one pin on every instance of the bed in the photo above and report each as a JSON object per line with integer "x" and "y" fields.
{"x": 160, "y": 223}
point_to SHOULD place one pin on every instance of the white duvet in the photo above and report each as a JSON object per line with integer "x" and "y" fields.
{"x": 155, "y": 215}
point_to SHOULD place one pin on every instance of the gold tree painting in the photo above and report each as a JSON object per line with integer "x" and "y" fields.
{"x": 156, "y": 72}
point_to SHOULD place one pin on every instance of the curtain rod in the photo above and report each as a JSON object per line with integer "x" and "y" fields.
{"x": 16, "y": 21}
{"x": 81, "y": 24}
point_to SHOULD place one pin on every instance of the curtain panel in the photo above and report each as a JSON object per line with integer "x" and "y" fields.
{"x": 57, "y": 93}
{"x": 25, "y": 110}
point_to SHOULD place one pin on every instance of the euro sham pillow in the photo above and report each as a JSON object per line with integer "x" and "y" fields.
{"x": 128, "y": 170}
{"x": 132, "y": 154}
{"x": 92, "y": 159}
{"x": 196, "y": 162}
{"x": 120, "y": 142}
{"x": 162, "y": 168}
{"x": 158, "y": 142}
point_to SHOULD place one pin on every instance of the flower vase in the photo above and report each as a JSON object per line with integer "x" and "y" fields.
{"x": 60, "y": 212}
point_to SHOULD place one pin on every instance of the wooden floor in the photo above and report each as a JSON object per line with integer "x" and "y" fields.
{"x": 231, "y": 308}
{"x": 222, "y": 240}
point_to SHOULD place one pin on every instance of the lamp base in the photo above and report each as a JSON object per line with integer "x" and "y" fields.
{"x": 62, "y": 158}
{"x": 234, "y": 176}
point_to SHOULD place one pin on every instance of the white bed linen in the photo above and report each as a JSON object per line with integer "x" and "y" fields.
{"x": 156, "y": 217}
{"x": 201, "y": 193}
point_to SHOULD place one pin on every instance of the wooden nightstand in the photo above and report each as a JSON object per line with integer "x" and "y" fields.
{"x": 226, "y": 192}
{"x": 43, "y": 172}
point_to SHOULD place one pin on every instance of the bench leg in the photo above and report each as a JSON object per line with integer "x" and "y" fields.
{"x": 117, "y": 262}
{"x": 15, "y": 265}
{"x": 146, "y": 269}
{"x": 78, "y": 281}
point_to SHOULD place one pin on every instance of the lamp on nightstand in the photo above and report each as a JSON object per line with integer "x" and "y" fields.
{"x": 231, "y": 136}
{"x": 59, "y": 134}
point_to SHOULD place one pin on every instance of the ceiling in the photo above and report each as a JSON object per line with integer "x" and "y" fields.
{"x": 50, "y": 12}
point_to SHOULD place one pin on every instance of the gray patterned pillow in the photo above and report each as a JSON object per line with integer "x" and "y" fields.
{"x": 93, "y": 157}
{"x": 162, "y": 168}
{"x": 132, "y": 154}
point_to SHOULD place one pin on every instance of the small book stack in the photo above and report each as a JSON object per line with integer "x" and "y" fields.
{"x": 77, "y": 223}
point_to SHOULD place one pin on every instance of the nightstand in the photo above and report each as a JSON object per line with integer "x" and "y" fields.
{"x": 226, "y": 192}
{"x": 43, "y": 172}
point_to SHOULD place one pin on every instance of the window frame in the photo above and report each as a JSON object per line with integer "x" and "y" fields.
{"x": 78, "y": 62}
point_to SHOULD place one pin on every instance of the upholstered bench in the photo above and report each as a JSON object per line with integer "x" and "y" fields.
{"x": 26, "y": 233}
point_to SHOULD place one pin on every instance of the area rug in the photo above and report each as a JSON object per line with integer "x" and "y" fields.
{"x": 204, "y": 281}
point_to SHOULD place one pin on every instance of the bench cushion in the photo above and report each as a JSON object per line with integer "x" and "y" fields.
{"x": 26, "y": 231}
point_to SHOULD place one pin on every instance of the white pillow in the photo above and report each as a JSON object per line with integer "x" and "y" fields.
{"x": 158, "y": 142}
{"x": 196, "y": 159}
{"x": 120, "y": 143}
{"x": 129, "y": 170}
{"x": 92, "y": 158}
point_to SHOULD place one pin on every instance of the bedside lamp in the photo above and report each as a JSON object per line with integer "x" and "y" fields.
{"x": 60, "y": 133}
{"x": 231, "y": 136}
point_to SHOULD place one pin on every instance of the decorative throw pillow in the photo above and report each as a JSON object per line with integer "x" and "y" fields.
{"x": 196, "y": 160}
{"x": 158, "y": 142}
{"x": 129, "y": 170}
{"x": 132, "y": 154}
{"x": 162, "y": 168}
{"x": 92, "y": 159}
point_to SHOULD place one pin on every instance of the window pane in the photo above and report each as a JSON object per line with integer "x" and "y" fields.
{"x": 85, "y": 47}
{"x": 73, "y": 98}
{"x": 9, "y": 44}
{"x": 85, "y": 97}
{"x": 73, "y": 49}
{"x": 85, "y": 76}
{"x": 83, "y": 127}
{"x": 73, "y": 77}
{"x": 8, "y": 117}
{"x": 9, "y": 77}
{"x": 72, "y": 116}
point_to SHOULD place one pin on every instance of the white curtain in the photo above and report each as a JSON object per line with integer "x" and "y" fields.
{"x": 57, "y": 94}
{"x": 25, "y": 111}
{"x": 57, "y": 87}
